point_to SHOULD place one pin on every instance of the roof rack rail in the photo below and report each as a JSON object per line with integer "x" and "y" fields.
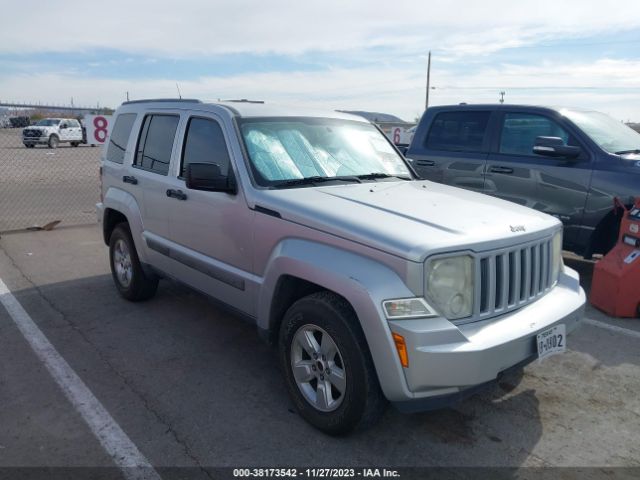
{"x": 182, "y": 100}
{"x": 244, "y": 100}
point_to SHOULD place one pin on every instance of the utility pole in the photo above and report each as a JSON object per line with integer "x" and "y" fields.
{"x": 426, "y": 102}
{"x": 502, "y": 97}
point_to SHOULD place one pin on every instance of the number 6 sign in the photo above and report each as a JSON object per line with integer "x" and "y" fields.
{"x": 98, "y": 128}
{"x": 396, "y": 135}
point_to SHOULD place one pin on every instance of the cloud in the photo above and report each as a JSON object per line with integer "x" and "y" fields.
{"x": 204, "y": 27}
{"x": 607, "y": 85}
{"x": 361, "y": 54}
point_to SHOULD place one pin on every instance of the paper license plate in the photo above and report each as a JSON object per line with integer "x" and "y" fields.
{"x": 552, "y": 341}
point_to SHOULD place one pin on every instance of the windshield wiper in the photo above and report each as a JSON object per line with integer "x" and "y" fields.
{"x": 373, "y": 176}
{"x": 622, "y": 152}
{"x": 313, "y": 180}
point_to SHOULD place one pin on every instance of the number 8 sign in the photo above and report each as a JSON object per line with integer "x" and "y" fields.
{"x": 98, "y": 128}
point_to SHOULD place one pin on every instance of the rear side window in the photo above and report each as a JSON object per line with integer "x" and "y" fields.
{"x": 120, "y": 137}
{"x": 519, "y": 132}
{"x": 156, "y": 142}
{"x": 204, "y": 143}
{"x": 458, "y": 131}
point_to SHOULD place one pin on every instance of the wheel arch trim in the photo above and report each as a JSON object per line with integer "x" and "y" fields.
{"x": 123, "y": 202}
{"x": 362, "y": 281}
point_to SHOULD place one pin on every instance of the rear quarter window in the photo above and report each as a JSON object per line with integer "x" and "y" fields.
{"x": 120, "y": 137}
{"x": 458, "y": 131}
{"x": 156, "y": 143}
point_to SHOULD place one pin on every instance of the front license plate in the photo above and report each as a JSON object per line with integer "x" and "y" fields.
{"x": 552, "y": 341}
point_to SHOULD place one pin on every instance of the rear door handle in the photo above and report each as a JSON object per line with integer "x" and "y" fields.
{"x": 177, "y": 194}
{"x": 130, "y": 179}
{"x": 501, "y": 170}
{"x": 425, "y": 163}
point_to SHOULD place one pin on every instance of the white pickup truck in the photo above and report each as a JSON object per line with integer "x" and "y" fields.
{"x": 52, "y": 132}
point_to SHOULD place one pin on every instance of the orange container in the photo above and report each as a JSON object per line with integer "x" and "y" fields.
{"x": 616, "y": 278}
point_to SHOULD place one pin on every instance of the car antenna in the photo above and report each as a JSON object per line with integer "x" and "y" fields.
{"x": 179, "y": 94}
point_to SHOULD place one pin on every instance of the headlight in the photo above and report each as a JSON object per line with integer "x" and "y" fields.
{"x": 450, "y": 286}
{"x": 556, "y": 257}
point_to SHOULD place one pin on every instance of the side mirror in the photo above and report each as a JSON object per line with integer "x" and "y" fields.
{"x": 63, "y": 126}
{"x": 555, "y": 147}
{"x": 207, "y": 177}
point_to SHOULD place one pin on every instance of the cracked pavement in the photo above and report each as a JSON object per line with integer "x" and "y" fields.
{"x": 193, "y": 386}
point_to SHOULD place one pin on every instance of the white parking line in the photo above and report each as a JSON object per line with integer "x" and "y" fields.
{"x": 613, "y": 328}
{"x": 117, "y": 444}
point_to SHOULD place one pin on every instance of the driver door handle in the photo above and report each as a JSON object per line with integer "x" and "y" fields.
{"x": 177, "y": 194}
{"x": 501, "y": 170}
{"x": 130, "y": 179}
{"x": 425, "y": 163}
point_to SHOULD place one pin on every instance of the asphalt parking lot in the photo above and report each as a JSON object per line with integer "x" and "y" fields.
{"x": 193, "y": 386}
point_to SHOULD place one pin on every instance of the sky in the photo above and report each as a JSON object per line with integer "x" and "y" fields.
{"x": 350, "y": 55}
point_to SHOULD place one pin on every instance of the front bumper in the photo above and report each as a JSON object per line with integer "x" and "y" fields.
{"x": 448, "y": 362}
{"x": 42, "y": 139}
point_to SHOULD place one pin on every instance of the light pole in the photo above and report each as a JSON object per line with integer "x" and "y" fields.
{"x": 426, "y": 102}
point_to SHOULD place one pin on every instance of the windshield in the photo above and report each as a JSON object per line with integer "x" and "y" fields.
{"x": 48, "y": 122}
{"x": 283, "y": 149}
{"x": 611, "y": 135}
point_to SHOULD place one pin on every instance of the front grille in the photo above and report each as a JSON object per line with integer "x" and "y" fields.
{"x": 512, "y": 277}
{"x": 32, "y": 133}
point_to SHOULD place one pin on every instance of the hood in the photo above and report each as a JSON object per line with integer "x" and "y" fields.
{"x": 632, "y": 158}
{"x": 410, "y": 219}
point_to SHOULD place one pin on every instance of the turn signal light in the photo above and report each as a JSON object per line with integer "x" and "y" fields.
{"x": 401, "y": 347}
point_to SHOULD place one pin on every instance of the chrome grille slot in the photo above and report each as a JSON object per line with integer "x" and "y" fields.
{"x": 512, "y": 277}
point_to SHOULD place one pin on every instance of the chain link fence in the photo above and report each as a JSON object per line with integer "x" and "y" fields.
{"x": 42, "y": 185}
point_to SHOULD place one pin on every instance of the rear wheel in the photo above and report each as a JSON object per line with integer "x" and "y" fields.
{"x": 53, "y": 142}
{"x": 130, "y": 279}
{"x": 327, "y": 365}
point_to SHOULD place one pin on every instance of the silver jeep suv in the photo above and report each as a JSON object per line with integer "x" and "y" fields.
{"x": 374, "y": 285}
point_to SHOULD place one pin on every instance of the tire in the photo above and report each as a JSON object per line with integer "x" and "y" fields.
{"x": 29, "y": 145}
{"x": 130, "y": 279}
{"x": 53, "y": 142}
{"x": 354, "y": 398}
{"x": 75, "y": 144}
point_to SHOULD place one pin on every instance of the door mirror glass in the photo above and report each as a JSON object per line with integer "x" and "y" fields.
{"x": 555, "y": 147}
{"x": 207, "y": 177}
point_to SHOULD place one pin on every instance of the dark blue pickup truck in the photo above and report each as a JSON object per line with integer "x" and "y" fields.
{"x": 569, "y": 163}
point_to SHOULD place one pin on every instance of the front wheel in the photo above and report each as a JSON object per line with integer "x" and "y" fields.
{"x": 130, "y": 279}
{"x": 327, "y": 365}
{"x": 53, "y": 141}
{"x": 75, "y": 144}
